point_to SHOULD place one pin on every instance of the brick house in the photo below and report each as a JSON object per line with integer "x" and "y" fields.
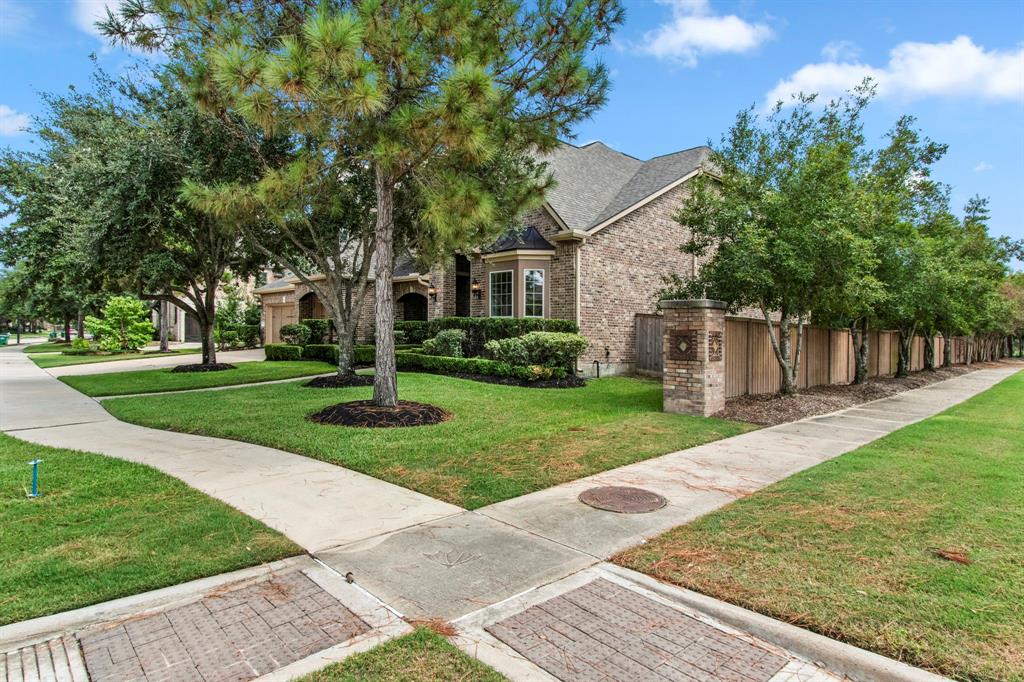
{"x": 596, "y": 252}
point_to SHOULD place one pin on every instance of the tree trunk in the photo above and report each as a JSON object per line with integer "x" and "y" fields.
{"x": 206, "y": 320}
{"x": 929, "y": 352}
{"x": 903, "y": 360}
{"x": 947, "y": 349}
{"x": 80, "y": 325}
{"x": 67, "y": 328}
{"x": 385, "y": 381}
{"x": 780, "y": 346}
{"x": 164, "y": 309}
{"x": 861, "y": 348}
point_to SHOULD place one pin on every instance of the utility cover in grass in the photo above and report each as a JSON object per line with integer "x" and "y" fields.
{"x": 210, "y": 367}
{"x": 363, "y": 413}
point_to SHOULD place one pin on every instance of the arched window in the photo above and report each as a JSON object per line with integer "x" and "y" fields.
{"x": 413, "y": 306}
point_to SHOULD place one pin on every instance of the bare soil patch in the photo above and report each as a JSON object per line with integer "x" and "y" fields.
{"x": 772, "y": 409}
{"x": 335, "y": 381}
{"x": 363, "y": 413}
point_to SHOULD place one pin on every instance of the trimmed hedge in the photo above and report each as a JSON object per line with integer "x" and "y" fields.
{"x": 295, "y": 334}
{"x": 361, "y": 355}
{"x": 446, "y": 365}
{"x": 480, "y": 330}
{"x": 319, "y": 329}
{"x": 282, "y": 351}
{"x": 413, "y": 331}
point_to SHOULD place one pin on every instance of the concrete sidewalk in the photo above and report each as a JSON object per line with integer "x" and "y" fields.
{"x": 318, "y": 505}
{"x": 142, "y": 362}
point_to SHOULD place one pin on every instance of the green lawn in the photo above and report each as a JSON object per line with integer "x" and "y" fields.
{"x": 47, "y": 361}
{"x": 422, "y": 655}
{"x": 153, "y": 380}
{"x": 48, "y": 347}
{"x": 848, "y": 548}
{"x": 105, "y": 528}
{"x": 503, "y": 441}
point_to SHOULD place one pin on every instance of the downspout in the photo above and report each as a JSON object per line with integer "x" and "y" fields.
{"x": 576, "y": 297}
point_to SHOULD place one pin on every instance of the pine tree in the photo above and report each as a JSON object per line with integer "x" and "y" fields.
{"x": 424, "y": 94}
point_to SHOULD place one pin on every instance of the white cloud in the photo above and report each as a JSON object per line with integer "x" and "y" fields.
{"x": 958, "y": 68}
{"x": 11, "y": 122}
{"x": 840, "y": 51}
{"x": 982, "y": 167}
{"x": 87, "y": 12}
{"x": 695, "y": 30}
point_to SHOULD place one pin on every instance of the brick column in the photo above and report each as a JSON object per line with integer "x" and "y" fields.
{"x": 693, "y": 344}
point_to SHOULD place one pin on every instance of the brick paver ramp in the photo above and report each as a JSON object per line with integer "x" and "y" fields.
{"x": 603, "y": 631}
{"x": 233, "y": 636}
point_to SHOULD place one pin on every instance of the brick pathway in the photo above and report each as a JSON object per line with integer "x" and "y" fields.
{"x": 235, "y": 635}
{"x": 55, "y": 659}
{"x": 603, "y": 631}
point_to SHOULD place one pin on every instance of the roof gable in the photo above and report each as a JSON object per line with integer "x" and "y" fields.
{"x": 595, "y": 182}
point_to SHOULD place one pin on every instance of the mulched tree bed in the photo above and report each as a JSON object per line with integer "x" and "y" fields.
{"x": 214, "y": 367}
{"x": 567, "y": 382}
{"x": 363, "y": 413}
{"x": 335, "y": 381}
{"x": 772, "y": 409}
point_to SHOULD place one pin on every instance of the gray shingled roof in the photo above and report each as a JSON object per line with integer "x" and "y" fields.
{"x": 586, "y": 178}
{"x": 529, "y": 239}
{"x": 276, "y": 285}
{"x": 595, "y": 182}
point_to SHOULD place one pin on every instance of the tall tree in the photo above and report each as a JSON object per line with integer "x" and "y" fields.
{"x": 772, "y": 216}
{"x": 145, "y": 143}
{"x": 420, "y": 91}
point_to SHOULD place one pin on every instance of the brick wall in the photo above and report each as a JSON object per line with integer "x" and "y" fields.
{"x": 621, "y": 271}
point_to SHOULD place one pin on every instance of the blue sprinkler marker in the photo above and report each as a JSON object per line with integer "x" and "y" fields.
{"x": 35, "y": 477}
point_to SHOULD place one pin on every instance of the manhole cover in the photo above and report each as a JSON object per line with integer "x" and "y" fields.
{"x": 623, "y": 499}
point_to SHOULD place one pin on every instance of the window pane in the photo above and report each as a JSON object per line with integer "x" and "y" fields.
{"x": 533, "y": 298}
{"x": 501, "y": 294}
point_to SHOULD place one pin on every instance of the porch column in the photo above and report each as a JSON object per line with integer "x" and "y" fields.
{"x": 693, "y": 343}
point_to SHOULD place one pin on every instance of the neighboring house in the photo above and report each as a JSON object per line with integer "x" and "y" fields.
{"x": 596, "y": 253}
{"x": 183, "y": 326}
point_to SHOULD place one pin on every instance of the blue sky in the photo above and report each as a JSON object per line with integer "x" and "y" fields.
{"x": 682, "y": 68}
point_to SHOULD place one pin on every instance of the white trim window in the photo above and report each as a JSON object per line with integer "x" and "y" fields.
{"x": 500, "y": 293}
{"x": 533, "y": 293}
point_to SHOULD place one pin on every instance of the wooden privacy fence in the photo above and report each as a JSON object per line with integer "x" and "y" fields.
{"x": 827, "y": 356}
{"x": 648, "y": 345}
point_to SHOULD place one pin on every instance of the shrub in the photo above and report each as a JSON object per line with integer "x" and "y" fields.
{"x": 319, "y": 330}
{"x": 512, "y": 351}
{"x": 554, "y": 349}
{"x": 448, "y": 365}
{"x": 79, "y": 347}
{"x": 249, "y": 335}
{"x": 414, "y": 331}
{"x": 480, "y": 330}
{"x": 448, "y": 342}
{"x": 228, "y": 338}
{"x": 283, "y": 351}
{"x": 399, "y": 336}
{"x": 124, "y": 326}
{"x": 295, "y": 334}
{"x": 328, "y": 352}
